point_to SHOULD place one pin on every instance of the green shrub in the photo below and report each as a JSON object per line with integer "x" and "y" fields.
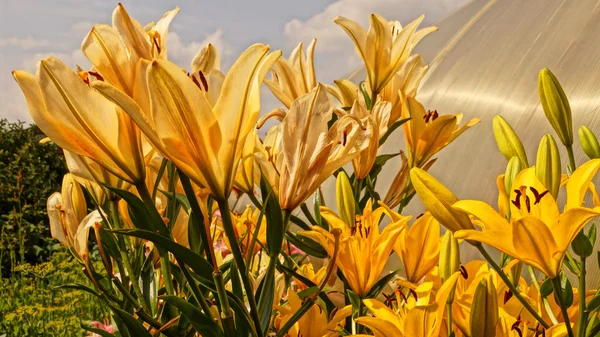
{"x": 29, "y": 173}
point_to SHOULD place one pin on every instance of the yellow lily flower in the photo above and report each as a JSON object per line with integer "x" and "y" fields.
{"x": 377, "y": 121}
{"x": 66, "y": 210}
{"x": 315, "y": 323}
{"x": 404, "y": 84}
{"x": 295, "y": 76}
{"x": 345, "y": 91}
{"x": 80, "y": 120}
{"x": 205, "y": 141}
{"x": 426, "y": 133}
{"x": 248, "y": 172}
{"x": 537, "y": 233}
{"x": 308, "y": 271}
{"x": 422, "y": 320}
{"x": 310, "y": 151}
{"x": 419, "y": 247}
{"x": 385, "y": 47}
{"x": 88, "y": 173}
{"x": 269, "y": 157}
{"x": 363, "y": 250}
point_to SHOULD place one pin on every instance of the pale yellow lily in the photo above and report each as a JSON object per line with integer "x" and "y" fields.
{"x": 248, "y": 172}
{"x": 364, "y": 251}
{"x": 315, "y": 323}
{"x": 537, "y": 233}
{"x": 310, "y": 151}
{"x": 345, "y": 91}
{"x": 419, "y": 247}
{"x": 377, "y": 121}
{"x": 404, "y": 84}
{"x": 426, "y": 133}
{"x": 205, "y": 141}
{"x": 80, "y": 120}
{"x": 89, "y": 174}
{"x": 384, "y": 48}
{"x": 66, "y": 210}
{"x": 295, "y": 76}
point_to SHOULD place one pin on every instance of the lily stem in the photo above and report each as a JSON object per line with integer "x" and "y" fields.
{"x": 536, "y": 284}
{"x": 583, "y": 313}
{"x": 449, "y": 310}
{"x": 511, "y": 286}
{"x": 239, "y": 261}
{"x": 571, "y": 158}
{"x": 563, "y": 309}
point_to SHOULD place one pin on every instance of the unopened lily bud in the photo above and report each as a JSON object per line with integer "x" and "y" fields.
{"x": 547, "y": 165}
{"x": 345, "y": 198}
{"x": 508, "y": 142}
{"x": 484, "y": 309}
{"x": 73, "y": 197}
{"x": 438, "y": 200}
{"x": 512, "y": 169}
{"x": 556, "y": 106}
{"x": 449, "y": 256}
{"x": 589, "y": 142}
{"x": 514, "y": 273}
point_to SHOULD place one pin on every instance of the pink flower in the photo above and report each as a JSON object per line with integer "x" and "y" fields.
{"x": 106, "y": 327}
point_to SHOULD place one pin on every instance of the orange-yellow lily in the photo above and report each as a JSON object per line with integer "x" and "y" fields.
{"x": 419, "y": 247}
{"x": 66, "y": 210}
{"x": 364, "y": 251}
{"x": 537, "y": 234}
{"x": 384, "y": 48}
{"x": 315, "y": 323}
{"x": 426, "y": 133}
{"x": 203, "y": 138}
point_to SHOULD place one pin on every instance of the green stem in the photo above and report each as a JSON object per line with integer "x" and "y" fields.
{"x": 545, "y": 299}
{"x": 510, "y": 285}
{"x": 226, "y": 312}
{"x": 571, "y": 158}
{"x": 583, "y": 314}
{"x": 195, "y": 290}
{"x": 239, "y": 261}
{"x": 125, "y": 258}
{"x": 563, "y": 309}
{"x": 449, "y": 309}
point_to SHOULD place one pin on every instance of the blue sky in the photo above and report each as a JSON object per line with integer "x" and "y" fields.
{"x": 33, "y": 29}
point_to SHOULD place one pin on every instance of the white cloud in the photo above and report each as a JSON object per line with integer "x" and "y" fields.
{"x": 28, "y": 42}
{"x": 182, "y": 53}
{"x": 336, "y": 56}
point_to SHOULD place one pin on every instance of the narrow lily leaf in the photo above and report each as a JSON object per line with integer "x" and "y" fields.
{"x": 329, "y": 305}
{"x": 307, "y": 245}
{"x": 242, "y": 325}
{"x": 99, "y": 332}
{"x": 267, "y": 295}
{"x": 195, "y": 261}
{"x": 275, "y": 225}
{"x": 138, "y": 212}
{"x": 380, "y": 285}
{"x": 303, "y": 225}
{"x": 594, "y": 303}
{"x": 200, "y": 322}
{"x": 180, "y": 198}
{"x": 317, "y": 207}
{"x": 194, "y": 238}
{"x": 109, "y": 244}
{"x": 391, "y": 129}
{"x": 135, "y": 327}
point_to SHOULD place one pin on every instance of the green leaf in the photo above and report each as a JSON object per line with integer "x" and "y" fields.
{"x": 581, "y": 245}
{"x": 275, "y": 225}
{"x": 546, "y": 288}
{"x": 329, "y": 305}
{"x": 200, "y": 322}
{"x": 307, "y": 245}
{"x": 594, "y": 303}
{"x": 391, "y": 129}
{"x": 317, "y": 207}
{"x": 355, "y": 301}
{"x": 591, "y": 235}
{"x": 238, "y": 289}
{"x": 366, "y": 95}
{"x": 100, "y": 332}
{"x": 109, "y": 244}
{"x": 567, "y": 293}
{"x": 179, "y": 198}
{"x": 380, "y": 285}
{"x": 303, "y": 225}
{"x": 195, "y": 261}
{"x": 267, "y": 295}
{"x": 135, "y": 327}
{"x": 77, "y": 286}
{"x": 140, "y": 216}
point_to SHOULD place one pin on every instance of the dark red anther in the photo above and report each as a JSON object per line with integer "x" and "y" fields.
{"x": 97, "y": 76}
{"x": 507, "y": 295}
{"x": 420, "y": 215}
{"x": 517, "y": 201}
{"x": 463, "y": 272}
{"x": 203, "y": 79}
{"x": 538, "y": 196}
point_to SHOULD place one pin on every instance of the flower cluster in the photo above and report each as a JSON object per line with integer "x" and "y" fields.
{"x": 155, "y": 151}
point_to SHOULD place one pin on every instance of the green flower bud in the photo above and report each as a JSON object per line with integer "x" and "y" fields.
{"x": 484, "y": 309}
{"x": 589, "y": 142}
{"x": 556, "y": 106}
{"x": 449, "y": 256}
{"x": 345, "y": 198}
{"x": 512, "y": 169}
{"x": 547, "y": 165}
{"x": 508, "y": 142}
